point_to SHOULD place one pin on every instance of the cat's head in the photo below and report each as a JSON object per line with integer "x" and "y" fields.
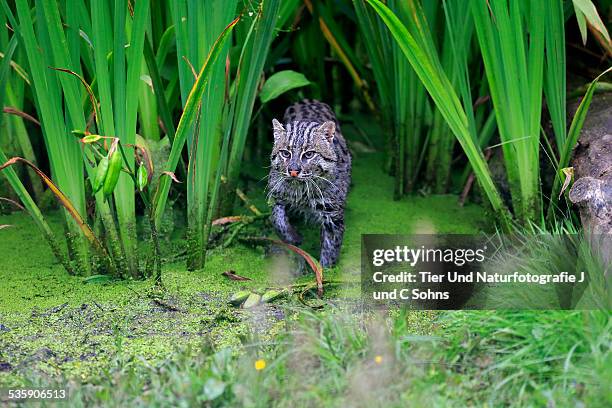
{"x": 304, "y": 149}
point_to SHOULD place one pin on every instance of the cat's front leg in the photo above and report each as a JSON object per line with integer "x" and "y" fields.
{"x": 332, "y": 231}
{"x": 284, "y": 229}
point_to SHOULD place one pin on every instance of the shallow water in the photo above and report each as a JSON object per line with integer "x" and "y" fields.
{"x": 52, "y": 321}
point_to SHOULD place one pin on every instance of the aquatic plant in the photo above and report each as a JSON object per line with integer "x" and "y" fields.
{"x": 516, "y": 41}
{"x": 179, "y": 84}
{"x": 63, "y": 105}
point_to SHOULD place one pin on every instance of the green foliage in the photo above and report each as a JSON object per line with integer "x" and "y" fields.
{"x": 65, "y": 160}
{"x": 586, "y": 13}
{"x": 538, "y": 252}
{"x": 134, "y": 78}
{"x": 409, "y": 358}
{"x": 187, "y": 75}
{"x": 197, "y": 25}
{"x": 523, "y": 51}
{"x": 252, "y": 59}
{"x": 514, "y": 65}
{"x": 281, "y": 82}
{"x": 403, "y": 107}
{"x": 419, "y": 52}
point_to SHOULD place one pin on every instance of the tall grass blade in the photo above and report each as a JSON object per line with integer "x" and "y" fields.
{"x": 586, "y": 9}
{"x": 379, "y": 47}
{"x": 199, "y": 29}
{"x": 12, "y": 177}
{"x": 65, "y": 202}
{"x": 429, "y": 70}
{"x": 64, "y": 154}
{"x": 188, "y": 119}
{"x": 252, "y": 60}
{"x": 514, "y": 66}
{"x": 126, "y": 98}
{"x": 554, "y": 71}
{"x": 15, "y": 125}
{"x": 72, "y": 92}
{"x": 336, "y": 39}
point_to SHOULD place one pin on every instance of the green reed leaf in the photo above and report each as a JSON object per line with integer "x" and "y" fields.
{"x": 281, "y": 82}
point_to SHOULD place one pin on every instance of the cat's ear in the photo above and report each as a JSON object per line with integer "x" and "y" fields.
{"x": 279, "y": 130}
{"x": 327, "y": 130}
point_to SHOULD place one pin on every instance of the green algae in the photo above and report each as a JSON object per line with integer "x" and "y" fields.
{"x": 57, "y": 324}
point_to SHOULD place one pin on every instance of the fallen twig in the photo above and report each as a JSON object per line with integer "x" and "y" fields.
{"x": 233, "y": 276}
{"x": 228, "y": 220}
{"x": 312, "y": 262}
{"x": 245, "y": 219}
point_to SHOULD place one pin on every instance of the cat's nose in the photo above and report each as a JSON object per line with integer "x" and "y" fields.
{"x": 294, "y": 171}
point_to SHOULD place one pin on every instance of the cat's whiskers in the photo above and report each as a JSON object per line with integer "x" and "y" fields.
{"x": 307, "y": 189}
{"x": 329, "y": 182}
{"x": 307, "y": 183}
{"x": 270, "y": 181}
{"x": 274, "y": 174}
{"x": 320, "y": 192}
{"x": 267, "y": 176}
{"x": 277, "y": 183}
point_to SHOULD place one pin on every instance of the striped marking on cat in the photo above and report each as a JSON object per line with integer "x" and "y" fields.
{"x": 301, "y": 133}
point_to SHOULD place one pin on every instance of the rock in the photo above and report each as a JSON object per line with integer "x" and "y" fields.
{"x": 252, "y": 301}
{"x": 272, "y": 295}
{"x": 592, "y": 189}
{"x": 239, "y": 297}
{"x": 592, "y": 162}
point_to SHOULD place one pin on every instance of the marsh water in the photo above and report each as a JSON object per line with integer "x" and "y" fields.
{"x": 52, "y": 322}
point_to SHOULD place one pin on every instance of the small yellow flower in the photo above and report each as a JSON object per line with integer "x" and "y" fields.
{"x": 260, "y": 364}
{"x": 378, "y": 359}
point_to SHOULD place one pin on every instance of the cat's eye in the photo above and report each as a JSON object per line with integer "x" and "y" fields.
{"x": 309, "y": 154}
{"x": 285, "y": 153}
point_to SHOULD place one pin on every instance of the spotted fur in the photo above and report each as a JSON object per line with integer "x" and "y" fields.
{"x": 310, "y": 175}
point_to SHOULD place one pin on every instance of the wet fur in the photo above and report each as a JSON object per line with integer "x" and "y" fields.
{"x": 319, "y": 193}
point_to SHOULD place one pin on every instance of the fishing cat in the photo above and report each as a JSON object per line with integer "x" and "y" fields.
{"x": 310, "y": 175}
